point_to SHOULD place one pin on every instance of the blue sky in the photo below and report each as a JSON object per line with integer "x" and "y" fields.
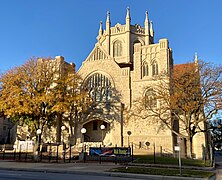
{"x": 69, "y": 28}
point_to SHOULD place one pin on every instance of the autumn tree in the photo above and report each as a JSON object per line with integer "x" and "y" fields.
{"x": 1, "y": 108}
{"x": 26, "y": 97}
{"x": 70, "y": 101}
{"x": 39, "y": 91}
{"x": 186, "y": 101}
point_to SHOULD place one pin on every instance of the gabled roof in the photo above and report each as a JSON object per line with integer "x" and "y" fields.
{"x": 98, "y": 53}
{"x": 180, "y": 69}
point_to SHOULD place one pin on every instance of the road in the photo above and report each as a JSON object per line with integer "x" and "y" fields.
{"x": 218, "y": 161}
{"x": 24, "y": 175}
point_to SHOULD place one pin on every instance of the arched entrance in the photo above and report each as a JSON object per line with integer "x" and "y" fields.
{"x": 94, "y": 133}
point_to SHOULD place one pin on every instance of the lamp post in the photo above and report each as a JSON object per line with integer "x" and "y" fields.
{"x": 63, "y": 128}
{"x": 129, "y": 133}
{"x": 121, "y": 123}
{"x": 102, "y": 127}
{"x": 83, "y": 131}
{"x": 63, "y": 143}
{"x": 38, "y": 132}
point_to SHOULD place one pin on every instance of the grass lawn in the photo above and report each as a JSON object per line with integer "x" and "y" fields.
{"x": 164, "y": 172}
{"x": 148, "y": 159}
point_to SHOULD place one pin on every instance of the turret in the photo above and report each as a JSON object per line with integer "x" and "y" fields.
{"x": 101, "y": 28}
{"x": 196, "y": 59}
{"x": 108, "y": 22}
{"x": 108, "y": 32}
{"x": 146, "y": 26}
{"x": 128, "y": 19}
{"x": 196, "y": 62}
{"x": 151, "y": 31}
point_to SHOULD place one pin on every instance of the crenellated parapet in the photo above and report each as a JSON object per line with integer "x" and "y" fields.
{"x": 117, "y": 29}
{"x": 137, "y": 29}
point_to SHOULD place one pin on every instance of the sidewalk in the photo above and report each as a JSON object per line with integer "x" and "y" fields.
{"x": 81, "y": 168}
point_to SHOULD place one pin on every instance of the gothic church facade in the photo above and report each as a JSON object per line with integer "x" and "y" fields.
{"x": 125, "y": 61}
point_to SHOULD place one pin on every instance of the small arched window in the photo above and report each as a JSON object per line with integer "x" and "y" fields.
{"x": 145, "y": 69}
{"x": 117, "y": 48}
{"x": 155, "y": 69}
{"x": 150, "y": 99}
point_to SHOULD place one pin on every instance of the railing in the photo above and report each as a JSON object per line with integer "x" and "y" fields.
{"x": 58, "y": 153}
{"x": 6, "y": 147}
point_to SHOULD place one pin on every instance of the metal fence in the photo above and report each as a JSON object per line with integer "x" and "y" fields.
{"x": 61, "y": 154}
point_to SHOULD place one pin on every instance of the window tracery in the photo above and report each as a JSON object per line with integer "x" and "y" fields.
{"x": 99, "y": 87}
{"x": 150, "y": 99}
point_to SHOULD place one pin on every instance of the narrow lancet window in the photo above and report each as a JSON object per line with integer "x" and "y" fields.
{"x": 155, "y": 69}
{"x": 117, "y": 48}
{"x": 145, "y": 70}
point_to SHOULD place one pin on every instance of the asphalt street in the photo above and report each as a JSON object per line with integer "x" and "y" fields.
{"x": 24, "y": 175}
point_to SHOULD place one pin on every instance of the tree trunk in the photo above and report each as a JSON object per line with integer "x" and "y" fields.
{"x": 71, "y": 125}
{"x": 190, "y": 147}
{"x": 58, "y": 127}
{"x": 75, "y": 125}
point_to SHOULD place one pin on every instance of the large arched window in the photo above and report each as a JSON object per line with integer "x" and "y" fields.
{"x": 117, "y": 48}
{"x": 99, "y": 87}
{"x": 155, "y": 69}
{"x": 150, "y": 99}
{"x": 145, "y": 69}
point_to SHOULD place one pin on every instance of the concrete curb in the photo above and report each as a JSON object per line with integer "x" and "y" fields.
{"x": 172, "y": 166}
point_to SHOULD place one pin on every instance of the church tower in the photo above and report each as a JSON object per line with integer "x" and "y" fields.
{"x": 119, "y": 40}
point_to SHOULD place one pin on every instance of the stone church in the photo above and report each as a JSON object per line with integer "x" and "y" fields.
{"x": 117, "y": 72}
{"x": 124, "y": 61}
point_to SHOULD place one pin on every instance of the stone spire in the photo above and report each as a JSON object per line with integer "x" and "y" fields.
{"x": 151, "y": 29}
{"x": 108, "y": 21}
{"x": 146, "y": 26}
{"x": 128, "y": 19}
{"x": 128, "y": 13}
{"x": 196, "y": 62}
{"x": 101, "y": 28}
{"x": 147, "y": 18}
{"x": 196, "y": 58}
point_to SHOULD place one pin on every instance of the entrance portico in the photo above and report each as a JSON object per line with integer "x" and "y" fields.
{"x": 94, "y": 133}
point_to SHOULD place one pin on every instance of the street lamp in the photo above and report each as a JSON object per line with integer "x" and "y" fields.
{"x": 129, "y": 133}
{"x": 121, "y": 123}
{"x": 63, "y": 143}
{"x": 38, "y": 132}
{"x": 63, "y": 128}
{"x": 102, "y": 127}
{"x": 83, "y": 131}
